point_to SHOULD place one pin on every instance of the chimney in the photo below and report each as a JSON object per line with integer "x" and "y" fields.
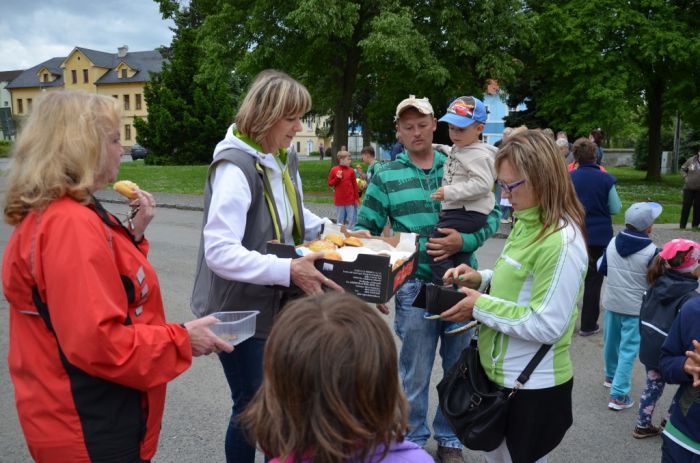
{"x": 121, "y": 51}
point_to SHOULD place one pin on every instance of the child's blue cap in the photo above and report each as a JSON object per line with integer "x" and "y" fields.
{"x": 642, "y": 215}
{"x": 464, "y": 111}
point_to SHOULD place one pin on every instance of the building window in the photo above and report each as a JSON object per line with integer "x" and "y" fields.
{"x": 123, "y": 73}
{"x": 85, "y": 76}
{"x": 116, "y": 97}
{"x": 20, "y": 106}
{"x": 46, "y": 77}
{"x": 127, "y": 131}
{"x": 138, "y": 101}
{"x": 29, "y": 104}
{"x": 298, "y": 147}
{"x": 126, "y": 102}
{"x": 74, "y": 76}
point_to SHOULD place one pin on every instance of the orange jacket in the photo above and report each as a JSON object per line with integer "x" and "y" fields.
{"x": 90, "y": 377}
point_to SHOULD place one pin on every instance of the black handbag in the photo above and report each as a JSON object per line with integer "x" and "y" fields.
{"x": 475, "y": 407}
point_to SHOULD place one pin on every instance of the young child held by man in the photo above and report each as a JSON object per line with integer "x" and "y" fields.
{"x": 469, "y": 175}
{"x": 330, "y": 391}
{"x": 625, "y": 263}
{"x": 673, "y": 279}
{"x": 346, "y": 194}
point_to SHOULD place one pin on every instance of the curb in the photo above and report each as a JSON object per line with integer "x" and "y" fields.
{"x": 181, "y": 207}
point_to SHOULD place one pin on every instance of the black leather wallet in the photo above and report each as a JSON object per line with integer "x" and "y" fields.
{"x": 437, "y": 299}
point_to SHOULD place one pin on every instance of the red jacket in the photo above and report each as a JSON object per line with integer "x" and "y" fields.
{"x": 345, "y": 191}
{"x": 89, "y": 372}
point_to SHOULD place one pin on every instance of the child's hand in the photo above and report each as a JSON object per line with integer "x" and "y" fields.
{"x": 692, "y": 363}
{"x": 339, "y": 173}
{"x": 439, "y": 195}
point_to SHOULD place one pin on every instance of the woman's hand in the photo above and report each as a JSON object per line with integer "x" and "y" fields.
{"x": 145, "y": 207}
{"x": 462, "y": 275}
{"x": 462, "y": 310}
{"x": 359, "y": 233}
{"x": 305, "y": 276}
{"x": 202, "y": 340}
{"x": 692, "y": 363}
{"x": 442, "y": 248}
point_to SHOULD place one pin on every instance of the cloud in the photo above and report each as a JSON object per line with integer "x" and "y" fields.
{"x": 34, "y": 31}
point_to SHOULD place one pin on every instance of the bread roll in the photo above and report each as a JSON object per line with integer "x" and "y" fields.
{"x": 321, "y": 246}
{"x": 126, "y": 188}
{"x": 332, "y": 255}
{"x": 335, "y": 238}
{"x": 353, "y": 241}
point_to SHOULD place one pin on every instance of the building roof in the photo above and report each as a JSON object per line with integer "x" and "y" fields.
{"x": 142, "y": 62}
{"x": 6, "y": 76}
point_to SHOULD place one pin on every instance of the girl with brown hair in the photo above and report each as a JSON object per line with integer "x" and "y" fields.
{"x": 330, "y": 390}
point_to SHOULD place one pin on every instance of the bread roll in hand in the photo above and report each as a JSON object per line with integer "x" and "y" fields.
{"x": 126, "y": 188}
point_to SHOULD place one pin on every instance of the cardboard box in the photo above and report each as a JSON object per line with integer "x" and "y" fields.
{"x": 369, "y": 277}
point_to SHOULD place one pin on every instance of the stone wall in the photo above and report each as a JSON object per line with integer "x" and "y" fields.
{"x": 618, "y": 157}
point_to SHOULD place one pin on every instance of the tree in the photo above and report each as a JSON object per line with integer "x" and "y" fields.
{"x": 359, "y": 58}
{"x": 605, "y": 63}
{"x": 187, "y": 112}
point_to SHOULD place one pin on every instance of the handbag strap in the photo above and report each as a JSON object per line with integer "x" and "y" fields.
{"x": 525, "y": 375}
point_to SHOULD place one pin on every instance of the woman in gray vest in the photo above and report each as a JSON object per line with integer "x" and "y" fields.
{"x": 253, "y": 195}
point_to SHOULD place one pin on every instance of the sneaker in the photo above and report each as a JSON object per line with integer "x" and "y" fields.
{"x": 642, "y": 433}
{"x": 607, "y": 382}
{"x": 589, "y": 333}
{"x": 620, "y": 403}
{"x": 431, "y": 316}
{"x": 449, "y": 455}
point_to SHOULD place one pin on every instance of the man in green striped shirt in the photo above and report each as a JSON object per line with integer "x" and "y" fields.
{"x": 400, "y": 192}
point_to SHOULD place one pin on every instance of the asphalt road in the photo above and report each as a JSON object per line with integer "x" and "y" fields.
{"x": 198, "y": 405}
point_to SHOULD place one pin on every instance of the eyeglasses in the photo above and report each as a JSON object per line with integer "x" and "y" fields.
{"x": 509, "y": 187}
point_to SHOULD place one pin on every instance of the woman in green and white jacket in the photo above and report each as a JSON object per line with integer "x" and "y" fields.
{"x": 534, "y": 290}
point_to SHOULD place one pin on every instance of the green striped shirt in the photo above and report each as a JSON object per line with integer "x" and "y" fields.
{"x": 400, "y": 191}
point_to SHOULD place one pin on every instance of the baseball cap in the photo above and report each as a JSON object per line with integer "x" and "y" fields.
{"x": 642, "y": 215}
{"x": 464, "y": 111}
{"x": 690, "y": 261}
{"x": 421, "y": 104}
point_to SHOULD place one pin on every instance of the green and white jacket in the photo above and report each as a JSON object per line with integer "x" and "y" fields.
{"x": 535, "y": 289}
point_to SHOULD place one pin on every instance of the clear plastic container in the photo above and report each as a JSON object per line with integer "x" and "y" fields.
{"x": 234, "y": 327}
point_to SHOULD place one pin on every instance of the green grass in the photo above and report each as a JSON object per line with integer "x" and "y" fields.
{"x": 314, "y": 174}
{"x": 632, "y": 188}
{"x": 5, "y": 148}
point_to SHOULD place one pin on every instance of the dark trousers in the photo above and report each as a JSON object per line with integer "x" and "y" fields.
{"x": 691, "y": 198}
{"x": 462, "y": 221}
{"x": 674, "y": 453}
{"x": 243, "y": 370}
{"x": 590, "y": 309}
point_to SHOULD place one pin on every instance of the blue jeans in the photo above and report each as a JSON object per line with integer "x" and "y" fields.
{"x": 346, "y": 214}
{"x": 243, "y": 370}
{"x": 620, "y": 349}
{"x": 419, "y": 339}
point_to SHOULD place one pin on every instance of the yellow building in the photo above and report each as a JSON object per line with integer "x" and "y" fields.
{"x": 121, "y": 75}
{"x": 309, "y": 139}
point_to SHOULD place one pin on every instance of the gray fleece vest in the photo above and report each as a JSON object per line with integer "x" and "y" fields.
{"x": 212, "y": 293}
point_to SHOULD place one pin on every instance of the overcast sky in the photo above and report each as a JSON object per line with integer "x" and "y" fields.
{"x": 32, "y": 31}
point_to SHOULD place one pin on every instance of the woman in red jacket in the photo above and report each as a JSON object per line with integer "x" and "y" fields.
{"x": 346, "y": 195}
{"x": 90, "y": 351}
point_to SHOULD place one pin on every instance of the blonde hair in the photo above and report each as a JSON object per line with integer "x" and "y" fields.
{"x": 534, "y": 155}
{"x": 343, "y": 154}
{"x": 61, "y": 150}
{"x": 272, "y": 97}
{"x": 330, "y": 383}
